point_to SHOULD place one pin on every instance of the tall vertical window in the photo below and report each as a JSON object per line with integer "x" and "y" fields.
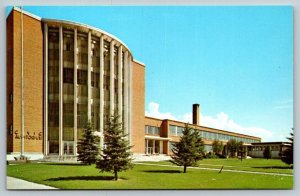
{"x": 95, "y": 80}
{"x": 82, "y": 85}
{"x": 53, "y": 90}
{"x": 106, "y": 80}
{"x": 68, "y": 86}
{"x": 123, "y": 89}
{"x": 116, "y": 77}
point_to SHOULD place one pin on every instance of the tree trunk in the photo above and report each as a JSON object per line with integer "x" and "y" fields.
{"x": 116, "y": 175}
{"x": 184, "y": 169}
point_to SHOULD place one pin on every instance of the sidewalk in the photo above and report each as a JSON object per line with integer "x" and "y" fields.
{"x": 15, "y": 183}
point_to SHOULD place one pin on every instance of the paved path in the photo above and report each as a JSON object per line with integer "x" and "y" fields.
{"x": 15, "y": 183}
{"x": 226, "y": 170}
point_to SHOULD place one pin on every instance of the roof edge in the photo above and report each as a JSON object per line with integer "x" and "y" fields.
{"x": 88, "y": 27}
{"x": 74, "y": 23}
{"x": 26, "y": 13}
{"x": 139, "y": 62}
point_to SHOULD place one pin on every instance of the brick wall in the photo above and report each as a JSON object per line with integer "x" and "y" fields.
{"x": 33, "y": 82}
{"x": 9, "y": 80}
{"x": 138, "y": 107}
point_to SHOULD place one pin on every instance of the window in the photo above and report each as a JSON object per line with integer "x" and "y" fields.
{"x": 82, "y": 77}
{"x": 171, "y": 145}
{"x": 176, "y": 130}
{"x": 82, "y": 55}
{"x": 68, "y": 147}
{"x": 151, "y": 130}
{"x": 53, "y": 146}
{"x": 207, "y": 148}
{"x": 205, "y": 135}
{"x": 95, "y": 79}
{"x": 173, "y": 130}
{"x": 68, "y": 75}
{"x": 68, "y": 47}
{"x": 180, "y": 130}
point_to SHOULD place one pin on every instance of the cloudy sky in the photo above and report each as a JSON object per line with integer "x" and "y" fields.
{"x": 236, "y": 62}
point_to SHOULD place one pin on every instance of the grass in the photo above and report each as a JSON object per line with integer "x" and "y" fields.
{"x": 75, "y": 176}
{"x": 259, "y": 165}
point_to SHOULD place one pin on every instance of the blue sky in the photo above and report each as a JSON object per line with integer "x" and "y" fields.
{"x": 236, "y": 62}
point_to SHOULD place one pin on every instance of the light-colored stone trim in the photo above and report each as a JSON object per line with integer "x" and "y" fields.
{"x": 120, "y": 80}
{"x": 46, "y": 151}
{"x": 60, "y": 90}
{"x": 75, "y": 91}
{"x": 130, "y": 100}
{"x": 101, "y": 91}
{"x": 89, "y": 77}
{"x": 112, "y": 79}
{"x": 126, "y": 92}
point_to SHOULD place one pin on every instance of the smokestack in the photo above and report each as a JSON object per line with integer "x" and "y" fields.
{"x": 196, "y": 114}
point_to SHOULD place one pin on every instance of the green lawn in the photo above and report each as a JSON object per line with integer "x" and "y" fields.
{"x": 260, "y": 165}
{"x": 74, "y": 176}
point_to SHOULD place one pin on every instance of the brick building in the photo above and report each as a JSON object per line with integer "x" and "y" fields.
{"x": 62, "y": 74}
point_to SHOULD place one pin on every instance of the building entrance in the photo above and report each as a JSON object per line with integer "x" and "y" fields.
{"x": 153, "y": 147}
{"x": 68, "y": 147}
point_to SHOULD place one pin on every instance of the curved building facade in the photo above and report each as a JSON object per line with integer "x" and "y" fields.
{"x": 61, "y": 75}
{"x": 87, "y": 78}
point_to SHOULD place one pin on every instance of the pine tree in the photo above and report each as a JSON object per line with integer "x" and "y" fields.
{"x": 87, "y": 147}
{"x": 232, "y": 146}
{"x": 116, "y": 155}
{"x": 217, "y": 146}
{"x": 287, "y": 154}
{"x": 189, "y": 149}
{"x": 267, "y": 152}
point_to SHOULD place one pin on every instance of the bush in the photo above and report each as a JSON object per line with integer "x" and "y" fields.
{"x": 267, "y": 152}
{"x": 287, "y": 155}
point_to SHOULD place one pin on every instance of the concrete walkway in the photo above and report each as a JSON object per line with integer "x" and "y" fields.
{"x": 224, "y": 170}
{"x": 15, "y": 183}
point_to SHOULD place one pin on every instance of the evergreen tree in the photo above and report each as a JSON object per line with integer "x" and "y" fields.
{"x": 116, "y": 155}
{"x": 287, "y": 154}
{"x": 87, "y": 147}
{"x": 232, "y": 146}
{"x": 189, "y": 149}
{"x": 267, "y": 152}
{"x": 217, "y": 146}
{"x": 240, "y": 149}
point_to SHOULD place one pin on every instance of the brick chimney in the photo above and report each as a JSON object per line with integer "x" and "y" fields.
{"x": 196, "y": 114}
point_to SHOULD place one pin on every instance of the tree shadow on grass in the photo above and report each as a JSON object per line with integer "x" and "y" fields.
{"x": 275, "y": 167}
{"x": 104, "y": 178}
{"x": 66, "y": 164}
{"x": 162, "y": 171}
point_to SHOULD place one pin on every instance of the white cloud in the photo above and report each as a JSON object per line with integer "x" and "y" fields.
{"x": 153, "y": 111}
{"x": 187, "y": 117}
{"x": 220, "y": 121}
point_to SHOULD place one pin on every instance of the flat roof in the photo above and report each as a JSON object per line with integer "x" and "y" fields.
{"x": 268, "y": 143}
{"x": 199, "y": 126}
